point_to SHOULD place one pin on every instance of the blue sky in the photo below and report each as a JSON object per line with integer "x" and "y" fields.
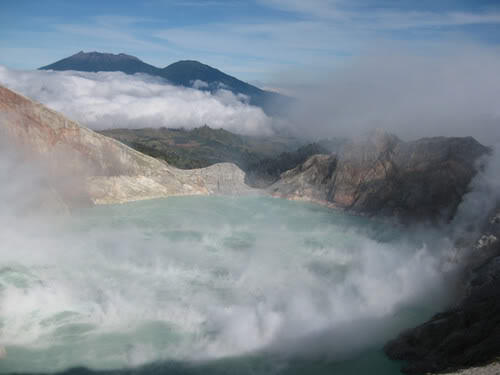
{"x": 254, "y": 40}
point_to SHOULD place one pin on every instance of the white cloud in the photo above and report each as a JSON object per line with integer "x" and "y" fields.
{"x": 352, "y": 14}
{"x": 116, "y": 100}
{"x": 452, "y": 92}
{"x": 199, "y": 84}
{"x": 321, "y": 33}
{"x": 281, "y": 42}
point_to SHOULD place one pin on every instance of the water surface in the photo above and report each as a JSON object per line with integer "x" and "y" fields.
{"x": 213, "y": 285}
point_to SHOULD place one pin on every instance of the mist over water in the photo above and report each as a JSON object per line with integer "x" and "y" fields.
{"x": 210, "y": 278}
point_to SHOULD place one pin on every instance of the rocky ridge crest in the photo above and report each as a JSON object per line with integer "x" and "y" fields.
{"x": 86, "y": 167}
{"x": 380, "y": 174}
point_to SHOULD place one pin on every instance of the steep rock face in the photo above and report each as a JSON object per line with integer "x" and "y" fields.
{"x": 468, "y": 334}
{"x": 86, "y": 167}
{"x": 381, "y": 174}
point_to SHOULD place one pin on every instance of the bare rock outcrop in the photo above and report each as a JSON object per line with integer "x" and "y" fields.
{"x": 85, "y": 167}
{"x": 380, "y": 174}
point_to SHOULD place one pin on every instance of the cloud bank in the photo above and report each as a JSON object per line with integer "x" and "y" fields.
{"x": 106, "y": 100}
{"x": 447, "y": 91}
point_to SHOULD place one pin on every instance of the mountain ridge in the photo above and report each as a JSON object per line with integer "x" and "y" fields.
{"x": 102, "y": 62}
{"x": 184, "y": 73}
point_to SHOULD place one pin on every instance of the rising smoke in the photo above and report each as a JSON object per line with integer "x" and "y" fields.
{"x": 199, "y": 278}
{"x": 207, "y": 278}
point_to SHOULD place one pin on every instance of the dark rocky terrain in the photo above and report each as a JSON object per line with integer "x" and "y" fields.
{"x": 381, "y": 175}
{"x": 468, "y": 334}
{"x": 182, "y": 73}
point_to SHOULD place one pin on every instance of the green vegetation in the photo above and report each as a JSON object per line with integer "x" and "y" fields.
{"x": 262, "y": 158}
{"x": 204, "y": 146}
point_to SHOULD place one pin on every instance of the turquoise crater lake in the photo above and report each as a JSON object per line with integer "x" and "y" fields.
{"x": 214, "y": 285}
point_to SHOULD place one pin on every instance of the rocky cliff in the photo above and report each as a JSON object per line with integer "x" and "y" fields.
{"x": 86, "y": 167}
{"x": 380, "y": 174}
{"x": 468, "y": 333}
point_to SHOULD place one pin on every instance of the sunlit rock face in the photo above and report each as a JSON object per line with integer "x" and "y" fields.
{"x": 381, "y": 174}
{"x": 87, "y": 167}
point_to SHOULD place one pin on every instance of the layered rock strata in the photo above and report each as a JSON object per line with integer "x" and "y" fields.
{"x": 86, "y": 167}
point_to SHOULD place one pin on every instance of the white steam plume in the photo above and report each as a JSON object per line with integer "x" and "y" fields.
{"x": 483, "y": 197}
{"x": 200, "y": 278}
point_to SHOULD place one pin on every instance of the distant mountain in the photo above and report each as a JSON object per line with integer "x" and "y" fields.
{"x": 187, "y": 73}
{"x": 103, "y": 62}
